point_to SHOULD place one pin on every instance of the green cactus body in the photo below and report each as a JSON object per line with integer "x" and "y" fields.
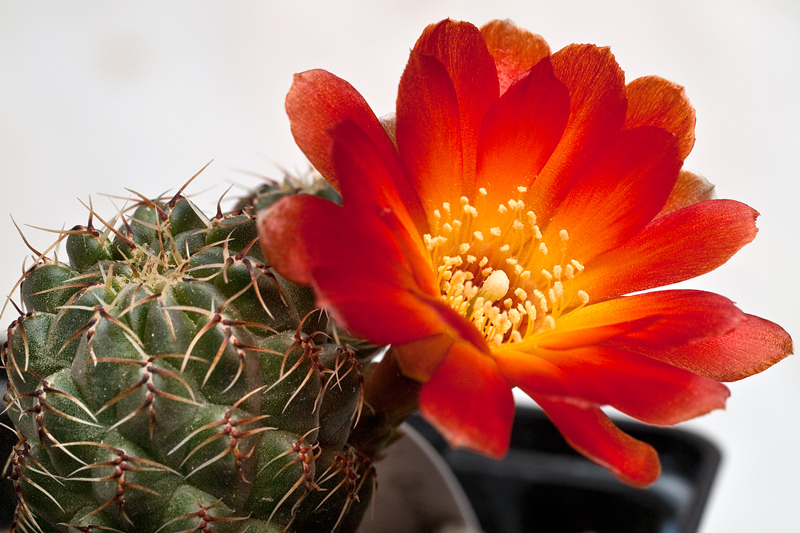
{"x": 166, "y": 380}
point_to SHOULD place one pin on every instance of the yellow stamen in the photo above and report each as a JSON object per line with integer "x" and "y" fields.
{"x": 488, "y": 278}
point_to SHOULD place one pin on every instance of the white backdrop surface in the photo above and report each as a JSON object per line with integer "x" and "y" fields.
{"x": 99, "y": 96}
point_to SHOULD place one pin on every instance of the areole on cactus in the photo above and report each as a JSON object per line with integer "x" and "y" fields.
{"x": 165, "y": 379}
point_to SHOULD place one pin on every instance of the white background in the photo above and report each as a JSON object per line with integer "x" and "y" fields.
{"x": 99, "y": 96}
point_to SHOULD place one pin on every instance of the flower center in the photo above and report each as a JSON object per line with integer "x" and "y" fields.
{"x": 495, "y": 268}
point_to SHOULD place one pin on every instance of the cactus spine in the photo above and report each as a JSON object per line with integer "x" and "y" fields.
{"x": 165, "y": 379}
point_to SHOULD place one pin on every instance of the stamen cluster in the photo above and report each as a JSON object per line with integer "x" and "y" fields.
{"x": 497, "y": 270}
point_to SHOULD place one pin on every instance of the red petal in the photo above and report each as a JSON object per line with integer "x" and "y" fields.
{"x": 429, "y": 133}
{"x": 646, "y": 389}
{"x": 673, "y": 248}
{"x": 597, "y": 110}
{"x": 654, "y": 101}
{"x": 752, "y": 347}
{"x": 375, "y": 308}
{"x": 358, "y": 269}
{"x": 460, "y": 47}
{"x": 688, "y": 190}
{"x": 663, "y": 319}
{"x": 623, "y": 189}
{"x": 520, "y": 132}
{"x": 514, "y": 49}
{"x": 469, "y": 402}
{"x": 302, "y": 233}
{"x": 315, "y": 103}
{"x": 591, "y": 432}
{"x": 649, "y": 390}
{"x": 367, "y": 186}
{"x": 384, "y": 309}
{"x": 282, "y": 234}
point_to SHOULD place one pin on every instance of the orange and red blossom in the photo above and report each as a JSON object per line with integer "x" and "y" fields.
{"x": 490, "y": 232}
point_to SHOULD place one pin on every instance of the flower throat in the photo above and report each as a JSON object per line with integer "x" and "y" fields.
{"x": 496, "y": 269}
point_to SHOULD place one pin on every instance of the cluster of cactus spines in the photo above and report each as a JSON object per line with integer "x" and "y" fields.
{"x": 271, "y": 191}
{"x": 165, "y": 379}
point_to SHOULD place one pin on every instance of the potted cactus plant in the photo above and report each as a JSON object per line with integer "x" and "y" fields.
{"x": 505, "y": 228}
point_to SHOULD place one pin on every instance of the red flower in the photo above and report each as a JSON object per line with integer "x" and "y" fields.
{"x": 491, "y": 234}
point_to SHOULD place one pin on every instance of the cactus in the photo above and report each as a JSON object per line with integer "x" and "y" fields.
{"x": 165, "y": 379}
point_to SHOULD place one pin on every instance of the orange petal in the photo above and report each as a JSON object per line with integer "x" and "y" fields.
{"x": 469, "y": 402}
{"x": 654, "y": 101}
{"x": 663, "y": 319}
{"x": 514, "y": 49}
{"x": 752, "y": 347}
{"x": 689, "y": 189}
{"x": 592, "y": 433}
{"x": 672, "y": 248}
{"x": 520, "y": 132}
{"x": 623, "y": 188}
{"x": 533, "y": 373}
{"x": 461, "y": 49}
{"x": 597, "y": 110}
{"x": 421, "y": 358}
{"x": 428, "y": 131}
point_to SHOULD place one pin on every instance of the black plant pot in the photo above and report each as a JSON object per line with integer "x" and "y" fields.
{"x": 544, "y": 485}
